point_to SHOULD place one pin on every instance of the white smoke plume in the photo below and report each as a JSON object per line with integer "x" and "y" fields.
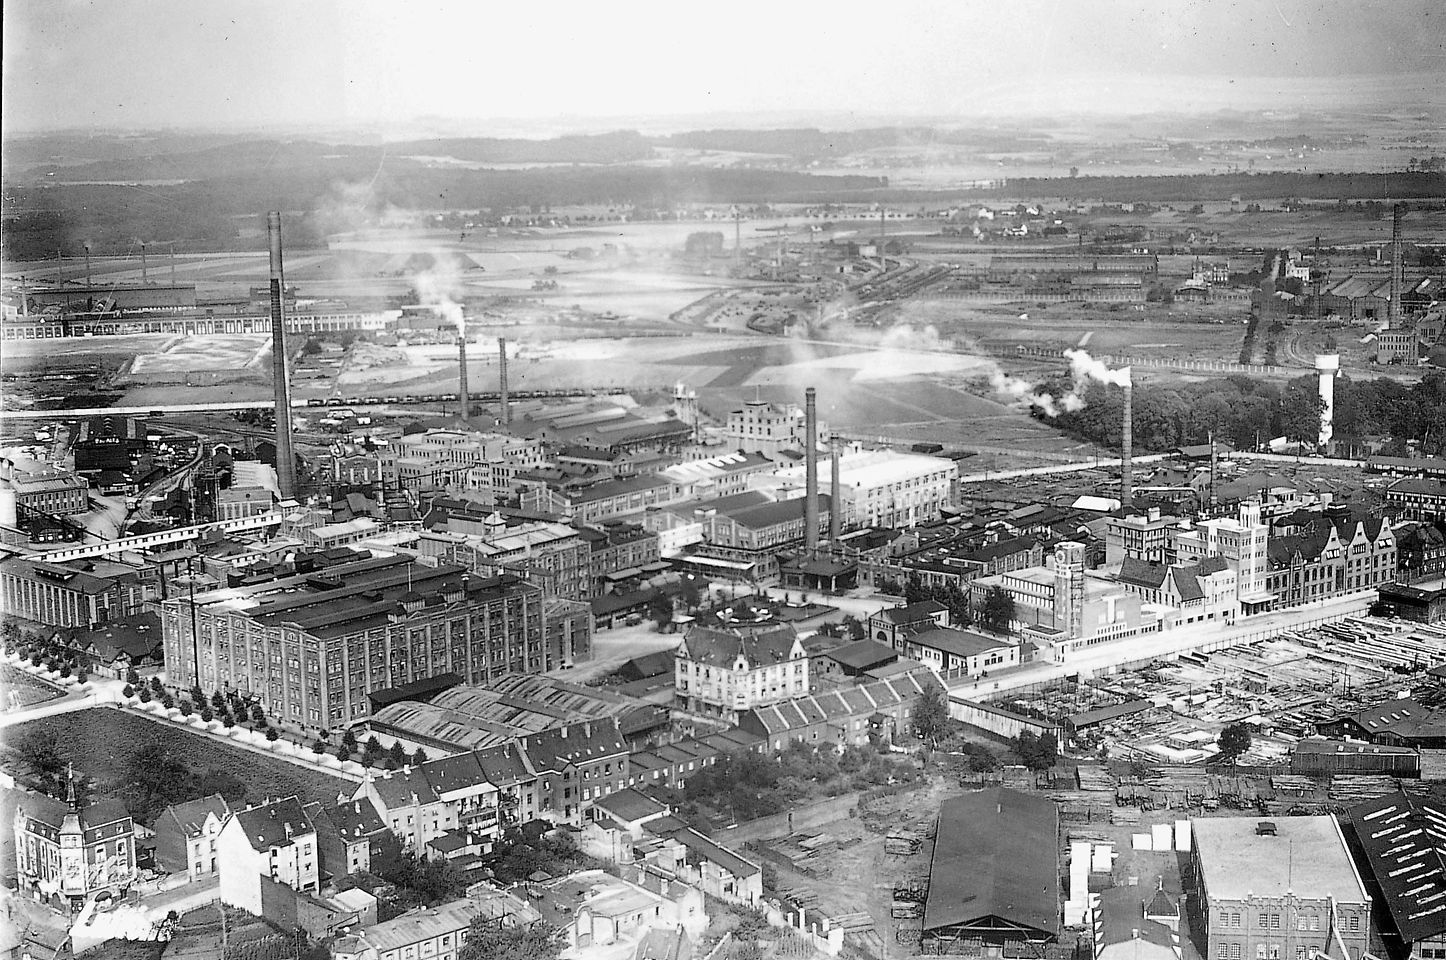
{"x": 1083, "y": 368}
{"x": 1086, "y": 368}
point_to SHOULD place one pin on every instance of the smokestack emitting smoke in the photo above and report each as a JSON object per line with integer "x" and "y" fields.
{"x": 1127, "y": 444}
{"x": 834, "y": 492}
{"x": 1083, "y": 368}
{"x": 281, "y": 378}
{"x": 810, "y": 461}
{"x": 502, "y": 381}
{"x": 462, "y": 394}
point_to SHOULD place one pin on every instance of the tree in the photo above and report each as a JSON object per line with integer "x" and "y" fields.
{"x": 318, "y": 747}
{"x": 258, "y": 714}
{"x": 145, "y": 694}
{"x": 660, "y": 609}
{"x": 419, "y": 757}
{"x": 348, "y": 740}
{"x": 396, "y": 754}
{"x": 488, "y": 941}
{"x": 271, "y": 735}
{"x": 1036, "y": 752}
{"x": 931, "y": 715}
{"x": 228, "y": 720}
{"x": 186, "y": 708}
{"x": 218, "y": 701}
{"x": 207, "y": 715}
{"x": 343, "y": 754}
{"x": 372, "y": 750}
{"x": 132, "y": 677}
{"x": 1234, "y": 740}
{"x": 39, "y": 752}
{"x": 156, "y": 684}
{"x": 167, "y": 700}
{"x": 997, "y": 612}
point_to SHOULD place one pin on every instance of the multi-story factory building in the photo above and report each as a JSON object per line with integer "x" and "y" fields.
{"x": 312, "y": 647}
{"x": 1279, "y": 890}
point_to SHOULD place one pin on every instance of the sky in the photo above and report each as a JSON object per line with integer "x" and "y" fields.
{"x": 116, "y": 64}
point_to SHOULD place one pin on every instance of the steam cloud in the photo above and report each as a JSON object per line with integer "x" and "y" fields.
{"x": 1083, "y": 368}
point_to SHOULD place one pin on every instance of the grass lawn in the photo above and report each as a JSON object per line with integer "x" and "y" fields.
{"x": 102, "y": 740}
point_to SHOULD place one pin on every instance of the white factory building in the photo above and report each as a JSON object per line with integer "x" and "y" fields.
{"x": 768, "y": 428}
{"x": 883, "y": 488}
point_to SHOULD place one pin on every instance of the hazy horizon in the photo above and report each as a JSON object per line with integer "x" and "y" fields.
{"x": 328, "y": 66}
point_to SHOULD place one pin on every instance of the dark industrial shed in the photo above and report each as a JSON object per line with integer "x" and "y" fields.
{"x": 995, "y": 873}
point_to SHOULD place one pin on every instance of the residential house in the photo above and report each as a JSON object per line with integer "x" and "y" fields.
{"x": 722, "y": 671}
{"x": 273, "y": 841}
{"x": 186, "y": 836}
{"x": 349, "y": 834}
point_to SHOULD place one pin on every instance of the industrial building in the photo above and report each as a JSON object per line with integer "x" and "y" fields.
{"x": 994, "y": 877}
{"x": 1400, "y": 841}
{"x": 474, "y": 717}
{"x": 69, "y": 594}
{"x": 767, "y": 429}
{"x": 311, "y": 647}
{"x": 880, "y": 488}
{"x": 1279, "y": 889}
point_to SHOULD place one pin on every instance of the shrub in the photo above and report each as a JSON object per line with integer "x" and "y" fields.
{"x": 128, "y": 692}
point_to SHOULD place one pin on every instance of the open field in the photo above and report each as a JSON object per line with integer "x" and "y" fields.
{"x": 101, "y": 740}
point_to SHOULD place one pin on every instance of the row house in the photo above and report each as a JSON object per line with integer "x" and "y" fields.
{"x": 1330, "y": 555}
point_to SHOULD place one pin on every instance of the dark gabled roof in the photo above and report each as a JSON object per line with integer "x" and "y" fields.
{"x": 721, "y": 646}
{"x": 657, "y": 664}
{"x": 1404, "y": 840}
{"x": 1087, "y": 718}
{"x": 503, "y": 764}
{"x": 627, "y": 806}
{"x": 1187, "y": 584}
{"x": 350, "y": 819}
{"x": 456, "y": 772}
{"x": 191, "y": 815}
{"x": 423, "y": 690}
{"x": 863, "y": 654}
{"x": 996, "y": 855}
{"x": 1142, "y": 573}
{"x": 959, "y": 643}
{"x": 266, "y": 826}
{"x": 1405, "y": 718}
{"x": 575, "y": 743}
{"x": 398, "y": 788}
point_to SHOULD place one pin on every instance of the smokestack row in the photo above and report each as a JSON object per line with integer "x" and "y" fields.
{"x": 810, "y": 461}
{"x": 280, "y": 374}
{"x": 502, "y": 381}
{"x": 462, "y": 391}
{"x": 1127, "y": 444}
